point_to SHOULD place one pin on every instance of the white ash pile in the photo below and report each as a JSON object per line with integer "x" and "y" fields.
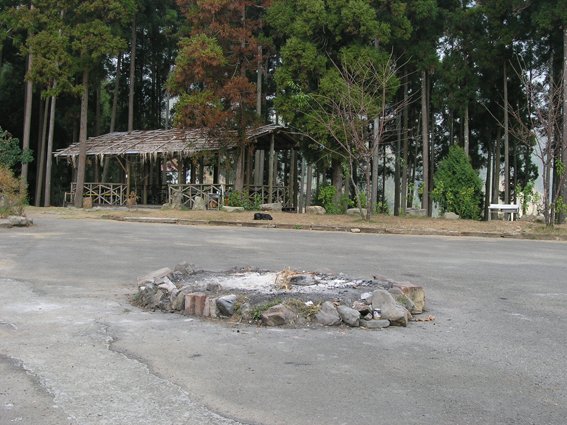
{"x": 282, "y": 298}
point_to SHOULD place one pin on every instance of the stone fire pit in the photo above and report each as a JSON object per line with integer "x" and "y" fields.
{"x": 285, "y": 298}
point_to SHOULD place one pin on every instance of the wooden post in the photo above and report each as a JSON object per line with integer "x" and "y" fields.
{"x": 271, "y": 170}
{"x": 202, "y": 170}
{"x": 128, "y": 177}
{"x": 309, "y": 189}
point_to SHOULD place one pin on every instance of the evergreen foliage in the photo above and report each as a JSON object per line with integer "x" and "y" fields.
{"x": 458, "y": 187}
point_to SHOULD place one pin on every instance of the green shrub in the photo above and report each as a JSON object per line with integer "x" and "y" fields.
{"x": 458, "y": 187}
{"x": 10, "y": 152}
{"x": 241, "y": 199}
{"x": 12, "y": 198}
{"x": 326, "y": 199}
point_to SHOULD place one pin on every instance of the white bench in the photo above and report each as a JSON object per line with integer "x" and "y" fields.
{"x": 507, "y": 208}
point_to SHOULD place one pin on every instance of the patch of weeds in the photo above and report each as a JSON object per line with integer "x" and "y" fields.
{"x": 298, "y": 227}
{"x": 257, "y": 310}
{"x": 307, "y": 311}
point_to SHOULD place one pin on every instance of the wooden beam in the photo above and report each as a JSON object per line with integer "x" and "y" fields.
{"x": 271, "y": 170}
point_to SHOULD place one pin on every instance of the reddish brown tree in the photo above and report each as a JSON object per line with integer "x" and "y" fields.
{"x": 216, "y": 69}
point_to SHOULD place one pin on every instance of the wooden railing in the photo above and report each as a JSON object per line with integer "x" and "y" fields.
{"x": 279, "y": 194}
{"x": 216, "y": 195}
{"x": 101, "y": 193}
{"x": 186, "y": 194}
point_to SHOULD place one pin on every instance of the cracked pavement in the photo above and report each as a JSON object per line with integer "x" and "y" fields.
{"x": 74, "y": 351}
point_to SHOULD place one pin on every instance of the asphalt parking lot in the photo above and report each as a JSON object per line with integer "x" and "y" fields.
{"x": 73, "y": 350}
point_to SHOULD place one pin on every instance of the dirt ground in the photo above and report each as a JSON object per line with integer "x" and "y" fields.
{"x": 378, "y": 224}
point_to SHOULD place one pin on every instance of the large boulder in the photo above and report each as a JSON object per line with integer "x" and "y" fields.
{"x": 451, "y": 216}
{"x": 357, "y": 212}
{"x": 275, "y": 206}
{"x": 316, "y": 210}
{"x": 328, "y": 315}
{"x": 349, "y": 315}
{"x": 278, "y": 315}
{"x": 19, "y": 221}
{"x": 389, "y": 309}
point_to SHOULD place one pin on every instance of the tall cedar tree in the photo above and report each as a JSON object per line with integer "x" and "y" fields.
{"x": 216, "y": 68}
{"x": 92, "y": 38}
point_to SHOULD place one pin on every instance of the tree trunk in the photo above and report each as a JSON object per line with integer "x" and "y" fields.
{"x": 506, "y": 141}
{"x": 82, "y": 141}
{"x": 97, "y": 127}
{"x": 337, "y": 179}
{"x": 115, "y": 93}
{"x": 259, "y": 83}
{"x": 425, "y": 141}
{"x": 309, "y": 185}
{"x": 488, "y": 183}
{"x": 132, "y": 77}
{"x": 466, "y": 131}
{"x": 27, "y": 123}
{"x": 40, "y": 159}
{"x": 375, "y": 159}
{"x": 47, "y": 194}
{"x": 496, "y": 172}
{"x": 239, "y": 179}
{"x": 405, "y": 143}
{"x": 564, "y": 130}
{"x": 397, "y": 167}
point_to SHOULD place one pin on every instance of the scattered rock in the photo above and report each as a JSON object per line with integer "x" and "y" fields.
{"x": 315, "y": 209}
{"x": 178, "y": 304}
{"x": 226, "y": 305}
{"x": 184, "y": 268}
{"x": 362, "y": 307}
{"x": 245, "y": 311}
{"x": 355, "y": 230}
{"x": 166, "y": 284}
{"x": 349, "y": 315}
{"x": 278, "y": 315}
{"x": 328, "y": 315}
{"x": 232, "y": 209}
{"x": 213, "y": 287}
{"x": 366, "y": 297}
{"x": 389, "y": 308}
{"x": 415, "y": 293}
{"x": 375, "y": 324}
{"x": 199, "y": 204}
{"x": 276, "y": 206}
{"x": 407, "y": 303}
{"x": 155, "y": 275}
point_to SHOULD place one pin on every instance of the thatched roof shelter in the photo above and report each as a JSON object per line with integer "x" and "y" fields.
{"x": 185, "y": 142}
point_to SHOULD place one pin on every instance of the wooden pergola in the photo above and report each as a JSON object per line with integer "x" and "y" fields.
{"x": 170, "y": 166}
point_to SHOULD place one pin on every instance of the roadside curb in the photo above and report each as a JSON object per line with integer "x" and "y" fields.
{"x": 324, "y": 228}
